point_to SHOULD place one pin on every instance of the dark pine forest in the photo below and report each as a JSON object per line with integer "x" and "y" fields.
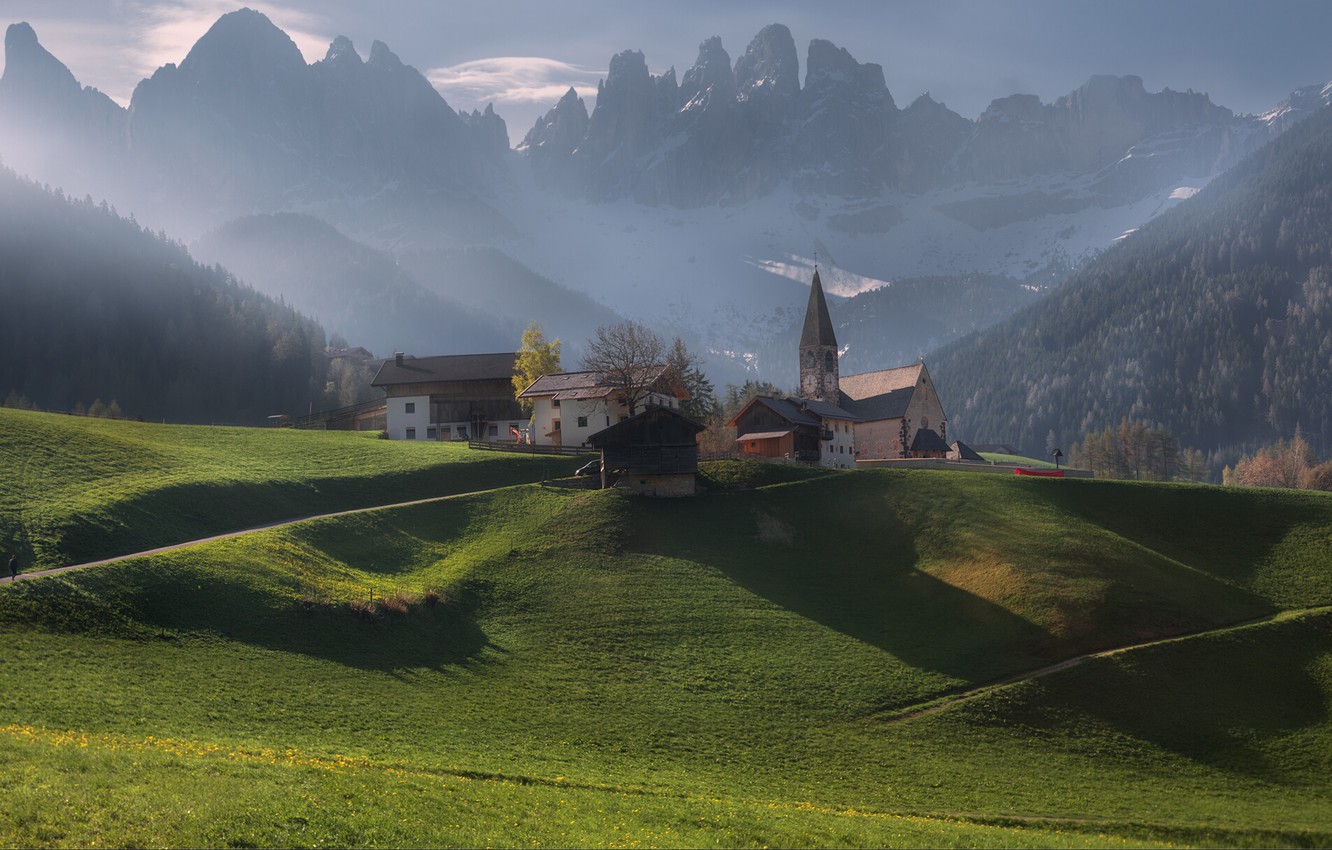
{"x": 94, "y": 307}
{"x": 1214, "y": 321}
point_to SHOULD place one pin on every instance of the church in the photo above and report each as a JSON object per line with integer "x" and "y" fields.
{"x": 837, "y": 420}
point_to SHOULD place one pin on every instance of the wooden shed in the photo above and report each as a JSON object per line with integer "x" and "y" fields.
{"x": 654, "y": 453}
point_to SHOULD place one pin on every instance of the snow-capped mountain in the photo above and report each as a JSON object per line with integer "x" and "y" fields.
{"x": 698, "y": 204}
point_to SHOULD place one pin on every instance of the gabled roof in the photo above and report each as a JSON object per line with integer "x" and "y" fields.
{"x": 927, "y": 440}
{"x": 870, "y": 384}
{"x": 448, "y": 367}
{"x": 782, "y": 407}
{"x": 826, "y": 409}
{"x": 575, "y": 385}
{"x": 652, "y": 426}
{"x": 965, "y": 452}
{"x": 818, "y": 328}
{"x": 798, "y": 411}
{"x": 889, "y": 405}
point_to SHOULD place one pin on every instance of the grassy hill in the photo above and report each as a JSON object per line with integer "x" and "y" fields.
{"x": 77, "y": 489}
{"x": 809, "y": 662}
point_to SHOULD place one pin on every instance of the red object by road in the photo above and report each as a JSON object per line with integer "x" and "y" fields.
{"x": 1041, "y": 473}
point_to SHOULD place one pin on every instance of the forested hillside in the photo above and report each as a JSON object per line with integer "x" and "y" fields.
{"x": 1214, "y": 320}
{"x": 351, "y": 288}
{"x": 94, "y": 307}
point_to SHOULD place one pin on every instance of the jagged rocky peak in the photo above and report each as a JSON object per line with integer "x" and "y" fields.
{"x": 934, "y": 118}
{"x": 341, "y": 51}
{"x": 1109, "y": 95}
{"x": 711, "y": 80}
{"x": 489, "y": 130}
{"x": 1014, "y": 108}
{"x": 380, "y": 55}
{"x": 832, "y": 66}
{"x": 561, "y": 129}
{"x": 1302, "y": 103}
{"x": 627, "y": 68}
{"x": 30, "y": 67}
{"x": 769, "y": 64}
{"x": 243, "y": 44}
{"x": 668, "y": 92}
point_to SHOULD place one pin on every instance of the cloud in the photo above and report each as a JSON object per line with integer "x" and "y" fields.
{"x": 512, "y": 80}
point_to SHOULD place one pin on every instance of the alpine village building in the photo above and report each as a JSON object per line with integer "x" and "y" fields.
{"x": 891, "y": 413}
{"x": 569, "y": 407}
{"x": 451, "y": 397}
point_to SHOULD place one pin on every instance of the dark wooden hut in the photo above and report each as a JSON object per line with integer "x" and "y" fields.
{"x": 654, "y": 453}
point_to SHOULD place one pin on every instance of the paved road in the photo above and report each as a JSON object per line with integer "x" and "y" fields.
{"x": 202, "y": 540}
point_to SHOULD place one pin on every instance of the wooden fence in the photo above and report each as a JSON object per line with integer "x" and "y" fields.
{"x": 529, "y": 448}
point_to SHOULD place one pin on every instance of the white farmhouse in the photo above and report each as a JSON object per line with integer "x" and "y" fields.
{"x": 569, "y": 407}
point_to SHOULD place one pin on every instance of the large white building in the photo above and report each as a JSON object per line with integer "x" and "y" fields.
{"x": 452, "y": 397}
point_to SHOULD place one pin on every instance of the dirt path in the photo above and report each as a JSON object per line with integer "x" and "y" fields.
{"x": 278, "y": 524}
{"x": 942, "y": 703}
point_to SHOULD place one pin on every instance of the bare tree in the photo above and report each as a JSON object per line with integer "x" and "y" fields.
{"x": 629, "y": 357}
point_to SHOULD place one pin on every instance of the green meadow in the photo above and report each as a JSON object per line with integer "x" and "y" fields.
{"x": 78, "y": 489}
{"x": 803, "y": 659}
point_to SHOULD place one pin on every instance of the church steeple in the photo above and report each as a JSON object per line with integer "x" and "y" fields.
{"x": 818, "y": 349}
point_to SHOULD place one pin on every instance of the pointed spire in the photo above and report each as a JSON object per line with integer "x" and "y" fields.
{"x": 818, "y": 328}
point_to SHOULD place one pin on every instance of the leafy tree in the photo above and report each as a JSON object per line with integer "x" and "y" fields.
{"x": 1291, "y": 465}
{"x": 1139, "y": 452}
{"x": 537, "y": 357}
{"x": 628, "y": 355}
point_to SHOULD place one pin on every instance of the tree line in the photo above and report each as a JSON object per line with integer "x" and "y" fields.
{"x": 1137, "y": 451}
{"x": 1214, "y": 320}
{"x": 95, "y": 307}
{"x": 1290, "y": 464}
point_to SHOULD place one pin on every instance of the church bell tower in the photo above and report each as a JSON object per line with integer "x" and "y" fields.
{"x": 818, "y": 349}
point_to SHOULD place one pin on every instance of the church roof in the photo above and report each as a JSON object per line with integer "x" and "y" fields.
{"x": 965, "y": 452}
{"x": 928, "y": 440}
{"x": 869, "y": 384}
{"x": 889, "y": 405}
{"x": 818, "y": 328}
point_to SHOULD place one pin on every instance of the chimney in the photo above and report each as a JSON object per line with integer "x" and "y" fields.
{"x": 397, "y": 357}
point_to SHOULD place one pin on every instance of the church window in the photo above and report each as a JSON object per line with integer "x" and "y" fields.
{"x": 830, "y": 360}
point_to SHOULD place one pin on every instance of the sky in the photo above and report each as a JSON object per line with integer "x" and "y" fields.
{"x": 522, "y": 55}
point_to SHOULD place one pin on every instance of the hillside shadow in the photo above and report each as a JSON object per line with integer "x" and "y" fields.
{"x": 190, "y": 511}
{"x": 1225, "y": 532}
{"x": 865, "y": 586}
{"x": 424, "y": 636}
{"x": 1216, "y": 701}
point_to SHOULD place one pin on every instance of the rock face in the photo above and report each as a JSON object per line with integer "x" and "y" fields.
{"x": 244, "y": 125}
{"x": 731, "y": 135}
{"x": 51, "y": 125}
{"x": 1083, "y": 131}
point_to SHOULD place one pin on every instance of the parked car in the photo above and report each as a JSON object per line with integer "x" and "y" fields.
{"x": 592, "y": 467}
